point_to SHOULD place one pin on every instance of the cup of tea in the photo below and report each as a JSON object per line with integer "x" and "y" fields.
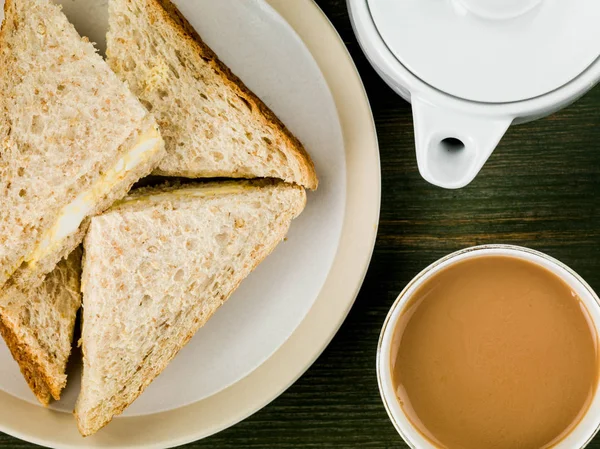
{"x": 493, "y": 346}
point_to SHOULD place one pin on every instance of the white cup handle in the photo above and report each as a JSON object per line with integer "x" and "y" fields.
{"x": 453, "y": 146}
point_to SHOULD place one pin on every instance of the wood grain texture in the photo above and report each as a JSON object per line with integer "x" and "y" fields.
{"x": 540, "y": 189}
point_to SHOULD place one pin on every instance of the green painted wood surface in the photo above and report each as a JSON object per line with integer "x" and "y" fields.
{"x": 541, "y": 189}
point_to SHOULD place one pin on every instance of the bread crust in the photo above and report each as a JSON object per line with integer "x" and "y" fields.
{"x": 31, "y": 369}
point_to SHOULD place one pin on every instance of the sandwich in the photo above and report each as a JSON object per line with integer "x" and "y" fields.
{"x": 38, "y": 327}
{"x": 157, "y": 266}
{"x": 73, "y": 139}
{"x": 213, "y": 125}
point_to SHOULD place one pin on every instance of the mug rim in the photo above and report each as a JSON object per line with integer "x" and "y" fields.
{"x": 383, "y": 361}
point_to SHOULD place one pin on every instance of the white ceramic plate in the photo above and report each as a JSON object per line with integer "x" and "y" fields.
{"x": 266, "y": 53}
{"x": 244, "y": 357}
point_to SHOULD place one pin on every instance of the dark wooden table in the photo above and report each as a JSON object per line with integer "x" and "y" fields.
{"x": 540, "y": 189}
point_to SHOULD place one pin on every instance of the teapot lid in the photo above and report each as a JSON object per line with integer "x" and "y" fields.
{"x": 492, "y": 51}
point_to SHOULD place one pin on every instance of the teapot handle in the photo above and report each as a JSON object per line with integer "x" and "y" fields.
{"x": 453, "y": 146}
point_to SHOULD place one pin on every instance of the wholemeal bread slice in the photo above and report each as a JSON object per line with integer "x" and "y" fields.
{"x": 73, "y": 139}
{"x": 38, "y": 328}
{"x": 156, "y": 267}
{"x": 213, "y": 125}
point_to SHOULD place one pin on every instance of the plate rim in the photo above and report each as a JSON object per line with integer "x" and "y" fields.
{"x": 292, "y": 359}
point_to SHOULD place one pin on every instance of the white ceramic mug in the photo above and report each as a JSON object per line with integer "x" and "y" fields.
{"x": 589, "y": 425}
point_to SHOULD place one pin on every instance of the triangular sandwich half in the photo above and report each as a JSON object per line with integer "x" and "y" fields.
{"x": 156, "y": 267}
{"x": 38, "y": 328}
{"x": 73, "y": 139}
{"x": 213, "y": 125}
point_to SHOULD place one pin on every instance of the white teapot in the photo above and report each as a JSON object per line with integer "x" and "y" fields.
{"x": 471, "y": 68}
